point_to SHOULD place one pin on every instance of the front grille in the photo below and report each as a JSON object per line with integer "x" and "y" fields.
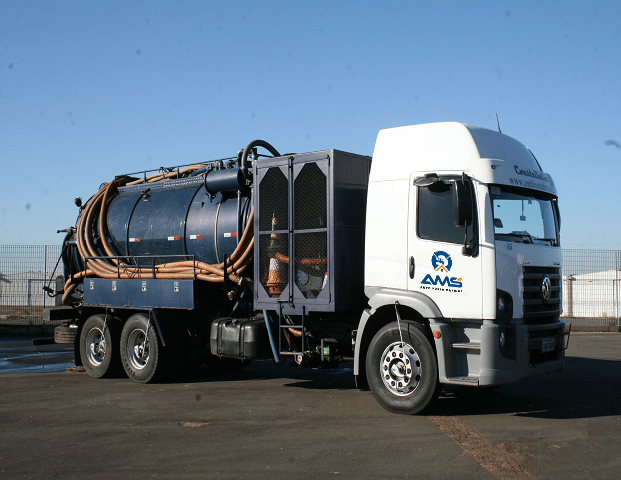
{"x": 536, "y": 309}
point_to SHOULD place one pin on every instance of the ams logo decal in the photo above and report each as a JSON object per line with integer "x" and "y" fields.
{"x": 445, "y": 282}
{"x": 442, "y": 263}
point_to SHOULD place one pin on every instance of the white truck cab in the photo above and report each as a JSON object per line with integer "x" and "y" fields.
{"x": 462, "y": 252}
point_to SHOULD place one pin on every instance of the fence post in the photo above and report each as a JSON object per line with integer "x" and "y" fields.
{"x": 617, "y": 285}
{"x": 44, "y": 273}
{"x": 569, "y": 283}
{"x": 60, "y": 285}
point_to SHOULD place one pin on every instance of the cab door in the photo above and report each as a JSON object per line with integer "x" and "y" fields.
{"x": 444, "y": 262}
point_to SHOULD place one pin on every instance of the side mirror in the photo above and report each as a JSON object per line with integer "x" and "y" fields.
{"x": 462, "y": 203}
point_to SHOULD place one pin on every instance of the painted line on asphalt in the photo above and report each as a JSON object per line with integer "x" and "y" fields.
{"x": 495, "y": 459}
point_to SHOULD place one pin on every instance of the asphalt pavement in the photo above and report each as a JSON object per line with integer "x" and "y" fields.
{"x": 285, "y": 422}
{"x": 31, "y": 354}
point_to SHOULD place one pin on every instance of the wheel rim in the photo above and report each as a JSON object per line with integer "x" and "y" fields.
{"x": 400, "y": 369}
{"x": 138, "y": 349}
{"x": 96, "y": 346}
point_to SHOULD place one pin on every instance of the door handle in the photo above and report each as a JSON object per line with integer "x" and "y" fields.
{"x": 411, "y": 267}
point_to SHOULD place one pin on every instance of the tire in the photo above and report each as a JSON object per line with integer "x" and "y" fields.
{"x": 65, "y": 335}
{"x": 141, "y": 351}
{"x": 403, "y": 379}
{"x": 99, "y": 346}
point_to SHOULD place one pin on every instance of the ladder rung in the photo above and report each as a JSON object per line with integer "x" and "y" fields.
{"x": 286, "y": 327}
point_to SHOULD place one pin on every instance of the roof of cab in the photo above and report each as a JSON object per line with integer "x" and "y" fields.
{"x": 442, "y": 147}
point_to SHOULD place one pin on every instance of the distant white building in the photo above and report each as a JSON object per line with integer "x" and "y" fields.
{"x": 592, "y": 295}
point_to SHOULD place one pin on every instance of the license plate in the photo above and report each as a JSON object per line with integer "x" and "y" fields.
{"x": 547, "y": 344}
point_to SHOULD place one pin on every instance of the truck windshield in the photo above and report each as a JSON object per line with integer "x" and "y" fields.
{"x": 523, "y": 216}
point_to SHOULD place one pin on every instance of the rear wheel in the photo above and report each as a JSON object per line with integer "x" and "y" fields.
{"x": 99, "y": 346}
{"x": 141, "y": 350}
{"x": 402, "y": 369}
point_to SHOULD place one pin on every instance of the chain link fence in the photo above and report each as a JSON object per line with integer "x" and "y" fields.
{"x": 24, "y": 271}
{"x": 591, "y": 291}
{"x": 591, "y": 287}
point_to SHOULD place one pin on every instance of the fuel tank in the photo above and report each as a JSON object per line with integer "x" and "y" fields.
{"x": 170, "y": 219}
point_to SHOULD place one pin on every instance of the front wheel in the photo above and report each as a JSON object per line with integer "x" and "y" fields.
{"x": 402, "y": 369}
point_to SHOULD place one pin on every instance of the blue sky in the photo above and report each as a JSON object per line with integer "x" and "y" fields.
{"x": 92, "y": 89}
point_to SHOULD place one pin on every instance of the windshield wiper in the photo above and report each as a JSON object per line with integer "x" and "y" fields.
{"x": 551, "y": 240}
{"x": 524, "y": 235}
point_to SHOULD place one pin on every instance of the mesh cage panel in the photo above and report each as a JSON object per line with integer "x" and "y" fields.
{"x": 310, "y": 198}
{"x": 274, "y": 247}
{"x": 274, "y": 201}
{"x": 311, "y": 268}
{"x": 273, "y": 263}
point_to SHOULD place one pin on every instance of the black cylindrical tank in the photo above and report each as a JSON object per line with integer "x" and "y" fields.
{"x": 176, "y": 217}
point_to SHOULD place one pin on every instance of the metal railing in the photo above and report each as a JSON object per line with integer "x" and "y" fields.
{"x": 24, "y": 271}
{"x": 591, "y": 284}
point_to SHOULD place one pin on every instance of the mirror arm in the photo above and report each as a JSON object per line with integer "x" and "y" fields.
{"x": 467, "y": 248}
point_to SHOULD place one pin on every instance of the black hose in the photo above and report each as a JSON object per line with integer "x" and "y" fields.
{"x": 243, "y": 160}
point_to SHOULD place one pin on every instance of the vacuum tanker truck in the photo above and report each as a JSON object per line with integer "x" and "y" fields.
{"x": 435, "y": 262}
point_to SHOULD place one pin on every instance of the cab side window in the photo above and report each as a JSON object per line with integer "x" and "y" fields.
{"x": 435, "y": 213}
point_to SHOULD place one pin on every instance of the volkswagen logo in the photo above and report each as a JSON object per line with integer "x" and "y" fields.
{"x": 546, "y": 288}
